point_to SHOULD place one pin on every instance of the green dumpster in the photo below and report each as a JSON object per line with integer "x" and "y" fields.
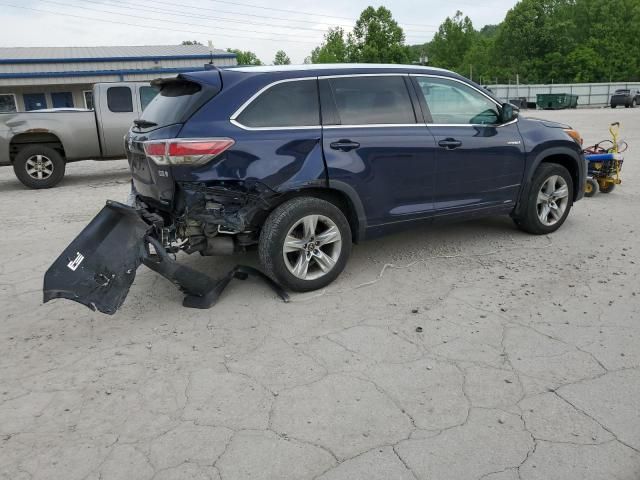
{"x": 556, "y": 101}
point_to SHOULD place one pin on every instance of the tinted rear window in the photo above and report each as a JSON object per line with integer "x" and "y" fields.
{"x": 372, "y": 100}
{"x": 622, "y": 92}
{"x": 176, "y": 99}
{"x": 287, "y": 104}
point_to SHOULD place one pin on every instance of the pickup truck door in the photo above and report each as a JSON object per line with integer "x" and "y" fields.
{"x": 117, "y": 106}
{"x": 479, "y": 162}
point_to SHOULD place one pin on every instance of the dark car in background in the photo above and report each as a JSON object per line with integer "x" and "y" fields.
{"x": 300, "y": 162}
{"x": 628, "y": 98}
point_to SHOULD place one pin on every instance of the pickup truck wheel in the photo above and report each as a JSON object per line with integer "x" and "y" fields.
{"x": 39, "y": 166}
{"x": 549, "y": 201}
{"x": 305, "y": 244}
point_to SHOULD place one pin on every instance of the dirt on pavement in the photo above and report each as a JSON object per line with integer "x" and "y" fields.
{"x": 494, "y": 355}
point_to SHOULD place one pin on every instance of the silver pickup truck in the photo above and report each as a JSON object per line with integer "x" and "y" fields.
{"x": 39, "y": 143}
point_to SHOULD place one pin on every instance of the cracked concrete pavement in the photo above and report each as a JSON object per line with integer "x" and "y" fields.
{"x": 525, "y": 365}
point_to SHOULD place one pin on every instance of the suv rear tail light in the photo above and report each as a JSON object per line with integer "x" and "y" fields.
{"x": 186, "y": 151}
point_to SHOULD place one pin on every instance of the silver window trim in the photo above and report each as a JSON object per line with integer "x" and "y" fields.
{"x": 234, "y": 118}
{"x": 472, "y": 125}
{"x": 351, "y": 75}
{"x": 376, "y": 125}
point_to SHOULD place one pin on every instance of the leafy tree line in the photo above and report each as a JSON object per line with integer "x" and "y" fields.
{"x": 545, "y": 41}
{"x": 541, "y": 41}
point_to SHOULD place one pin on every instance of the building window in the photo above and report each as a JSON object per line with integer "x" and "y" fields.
{"x": 119, "y": 99}
{"x": 88, "y": 99}
{"x": 62, "y": 100}
{"x": 8, "y": 103}
{"x": 34, "y": 101}
{"x": 146, "y": 95}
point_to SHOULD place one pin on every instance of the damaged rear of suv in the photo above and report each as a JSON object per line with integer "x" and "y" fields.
{"x": 235, "y": 155}
{"x": 301, "y": 162}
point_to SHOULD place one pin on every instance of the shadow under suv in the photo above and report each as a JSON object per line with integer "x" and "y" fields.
{"x": 303, "y": 161}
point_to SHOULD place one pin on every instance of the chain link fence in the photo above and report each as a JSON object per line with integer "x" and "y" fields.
{"x": 589, "y": 94}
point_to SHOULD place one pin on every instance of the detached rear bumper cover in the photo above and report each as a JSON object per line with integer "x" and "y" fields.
{"x": 99, "y": 266}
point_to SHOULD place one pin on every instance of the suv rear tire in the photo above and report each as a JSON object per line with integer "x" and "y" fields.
{"x": 549, "y": 200}
{"x": 305, "y": 244}
{"x": 39, "y": 166}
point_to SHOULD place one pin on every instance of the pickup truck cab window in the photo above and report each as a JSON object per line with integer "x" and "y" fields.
{"x": 372, "y": 100}
{"x": 146, "y": 95}
{"x": 455, "y": 103}
{"x": 119, "y": 99}
{"x": 287, "y": 104}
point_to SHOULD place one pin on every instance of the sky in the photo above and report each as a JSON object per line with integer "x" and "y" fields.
{"x": 261, "y": 26}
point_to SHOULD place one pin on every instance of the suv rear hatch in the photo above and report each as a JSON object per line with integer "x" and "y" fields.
{"x": 178, "y": 99}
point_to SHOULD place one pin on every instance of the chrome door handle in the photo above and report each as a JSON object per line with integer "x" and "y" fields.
{"x": 344, "y": 145}
{"x": 450, "y": 143}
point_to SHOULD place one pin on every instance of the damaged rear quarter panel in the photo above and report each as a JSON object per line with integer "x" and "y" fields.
{"x": 248, "y": 178}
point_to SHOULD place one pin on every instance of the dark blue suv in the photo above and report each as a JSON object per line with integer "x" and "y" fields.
{"x": 303, "y": 161}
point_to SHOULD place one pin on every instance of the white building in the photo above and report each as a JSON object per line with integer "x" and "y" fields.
{"x": 32, "y": 78}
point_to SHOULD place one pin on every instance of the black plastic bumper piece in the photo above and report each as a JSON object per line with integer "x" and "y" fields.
{"x": 99, "y": 266}
{"x": 201, "y": 291}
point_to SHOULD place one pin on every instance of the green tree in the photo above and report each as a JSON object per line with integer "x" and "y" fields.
{"x": 377, "y": 37}
{"x": 190, "y": 42}
{"x": 333, "y": 49}
{"x": 452, "y": 42}
{"x": 532, "y": 36}
{"x": 281, "y": 58}
{"x": 245, "y": 57}
{"x": 607, "y": 47}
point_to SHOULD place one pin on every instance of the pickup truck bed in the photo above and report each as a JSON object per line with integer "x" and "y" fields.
{"x": 39, "y": 143}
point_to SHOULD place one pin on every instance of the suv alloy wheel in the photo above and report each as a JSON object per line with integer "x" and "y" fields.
{"x": 305, "y": 243}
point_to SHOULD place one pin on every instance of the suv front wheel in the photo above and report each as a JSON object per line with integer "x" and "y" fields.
{"x": 305, "y": 243}
{"x": 549, "y": 201}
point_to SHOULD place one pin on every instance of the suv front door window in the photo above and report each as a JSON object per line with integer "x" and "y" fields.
{"x": 452, "y": 102}
{"x": 479, "y": 163}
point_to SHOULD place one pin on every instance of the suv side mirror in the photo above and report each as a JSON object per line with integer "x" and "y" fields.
{"x": 508, "y": 113}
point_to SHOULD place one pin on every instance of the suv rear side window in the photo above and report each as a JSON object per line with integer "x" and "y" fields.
{"x": 451, "y": 102}
{"x": 286, "y": 104}
{"x": 119, "y": 99}
{"x": 371, "y": 100}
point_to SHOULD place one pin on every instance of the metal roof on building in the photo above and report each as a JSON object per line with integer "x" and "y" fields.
{"x": 109, "y": 53}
